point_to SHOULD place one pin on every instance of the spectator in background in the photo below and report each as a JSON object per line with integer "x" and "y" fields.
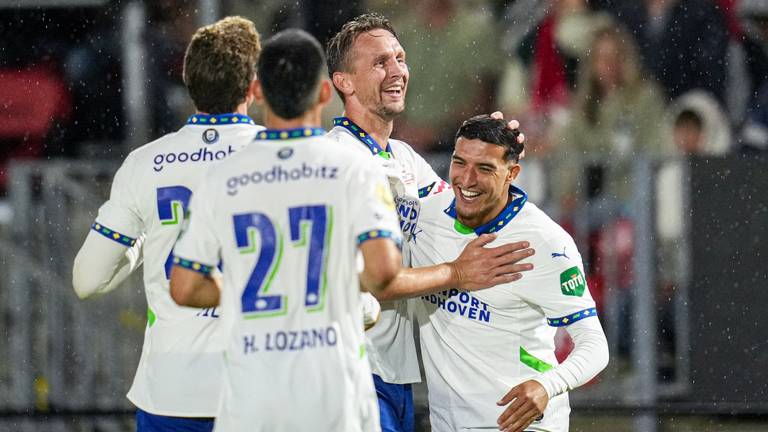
{"x": 539, "y": 79}
{"x": 683, "y": 43}
{"x": 453, "y": 53}
{"x": 697, "y": 126}
{"x": 753, "y": 136}
{"x": 615, "y": 113}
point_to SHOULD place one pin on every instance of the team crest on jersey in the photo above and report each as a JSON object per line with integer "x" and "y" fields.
{"x": 285, "y": 153}
{"x": 210, "y": 136}
{"x": 572, "y": 282}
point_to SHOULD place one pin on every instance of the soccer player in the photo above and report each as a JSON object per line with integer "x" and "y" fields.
{"x": 287, "y": 217}
{"x": 368, "y": 69}
{"x": 489, "y": 355}
{"x": 177, "y": 382}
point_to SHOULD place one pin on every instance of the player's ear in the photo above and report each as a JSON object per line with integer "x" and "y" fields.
{"x": 513, "y": 172}
{"x": 258, "y": 93}
{"x": 342, "y": 83}
{"x": 325, "y": 94}
{"x": 250, "y": 93}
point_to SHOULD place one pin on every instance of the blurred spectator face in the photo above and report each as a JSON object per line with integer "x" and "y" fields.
{"x": 480, "y": 177}
{"x": 607, "y": 64}
{"x": 379, "y": 73}
{"x": 688, "y": 133}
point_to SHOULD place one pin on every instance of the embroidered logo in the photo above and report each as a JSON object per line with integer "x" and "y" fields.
{"x": 210, "y": 136}
{"x": 557, "y": 254}
{"x": 285, "y": 153}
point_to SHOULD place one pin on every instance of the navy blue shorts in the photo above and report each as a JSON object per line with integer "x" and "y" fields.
{"x": 146, "y": 422}
{"x": 395, "y": 406}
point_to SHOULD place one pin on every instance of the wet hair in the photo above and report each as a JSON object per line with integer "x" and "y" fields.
{"x": 220, "y": 64}
{"x": 341, "y": 44}
{"x": 290, "y": 69}
{"x": 492, "y": 131}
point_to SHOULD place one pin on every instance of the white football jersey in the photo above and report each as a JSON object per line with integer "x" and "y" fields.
{"x": 179, "y": 370}
{"x": 477, "y": 345}
{"x": 391, "y": 346}
{"x": 286, "y": 217}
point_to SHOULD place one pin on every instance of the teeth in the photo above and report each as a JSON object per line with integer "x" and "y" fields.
{"x": 468, "y": 194}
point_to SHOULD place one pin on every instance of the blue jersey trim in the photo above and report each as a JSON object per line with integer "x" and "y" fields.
{"x": 286, "y": 134}
{"x": 363, "y": 136}
{"x": 572, "y": 318}
{"x": 377, "y": 234}
{"x": 506, "y": 215}
{"x": 192, "y": 265}
{"x": 219, "y": 119}
{"x": 113, "y": 235}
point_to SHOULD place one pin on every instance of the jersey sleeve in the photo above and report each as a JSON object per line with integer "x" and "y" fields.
{"x": 198, "y": 247}
{"x": 557, "y": 284}
{"x": 119, "y": 218}
{"x": 371, "y": 203}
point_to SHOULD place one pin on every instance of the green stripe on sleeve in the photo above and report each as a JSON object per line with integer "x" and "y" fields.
{"x": 529, "y": 360}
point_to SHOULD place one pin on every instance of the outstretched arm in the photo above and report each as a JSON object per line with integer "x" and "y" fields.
{"x": 476, "y": 268}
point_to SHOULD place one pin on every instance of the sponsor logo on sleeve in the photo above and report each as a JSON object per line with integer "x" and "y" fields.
{"x": 572, "y": 282}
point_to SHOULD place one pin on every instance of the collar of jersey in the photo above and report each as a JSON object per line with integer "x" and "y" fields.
{"x": 499, "y": 222}
{"x": 219, "y": 119}
{"x": 286, "y": 134}
{"x": 363, "y": 136}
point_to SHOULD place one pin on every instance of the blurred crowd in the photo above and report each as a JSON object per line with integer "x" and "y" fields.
{"x": 607, "y": 77}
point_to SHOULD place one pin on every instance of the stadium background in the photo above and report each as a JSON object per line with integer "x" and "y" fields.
{"x": 648, "y": 145}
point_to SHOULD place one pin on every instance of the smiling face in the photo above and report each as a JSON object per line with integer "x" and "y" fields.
{"x": 378, "y": 76}
{"x": 480, "y": 177}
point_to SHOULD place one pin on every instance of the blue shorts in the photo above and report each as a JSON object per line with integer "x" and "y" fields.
{"x": 395, "y": 406}
{"x": 146, "y": 422}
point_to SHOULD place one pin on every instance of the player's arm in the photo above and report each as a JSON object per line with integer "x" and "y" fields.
{"x": 194, "y": 256}
{"x": 102, "y": 264}
{"x": 382, "y": 264}
{"x": 477, "y": 267}
{"x": 113, "y": 248}
{"x": 529, "y": 399}
{"x": 194, "y": 288}
{"x": 565, "y": 299}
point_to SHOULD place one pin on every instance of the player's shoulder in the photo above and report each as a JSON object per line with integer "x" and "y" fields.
{"x": 540, "y": 228}
{"x": 344, "y": 137}
{"x": 433, "y": 206}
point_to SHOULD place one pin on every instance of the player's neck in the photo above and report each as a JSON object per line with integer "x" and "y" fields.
{"x": 481, "y": 220}
{"x": 377, "y": 127}
{"x": 310, "y": 118}
{"x": 241, "y": 109}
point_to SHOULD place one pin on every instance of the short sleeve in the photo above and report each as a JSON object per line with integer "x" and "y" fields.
{"x": 371, "y": 203}
{"x": 119, "y": 218}
{"x": 198, "y": 247}
{"x": 558, "y": 284}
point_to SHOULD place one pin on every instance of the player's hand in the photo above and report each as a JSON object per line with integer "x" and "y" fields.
{"x": 528, "y": 402}
{"x": 479, "y": 267}
{"x": 512, "y": 124}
